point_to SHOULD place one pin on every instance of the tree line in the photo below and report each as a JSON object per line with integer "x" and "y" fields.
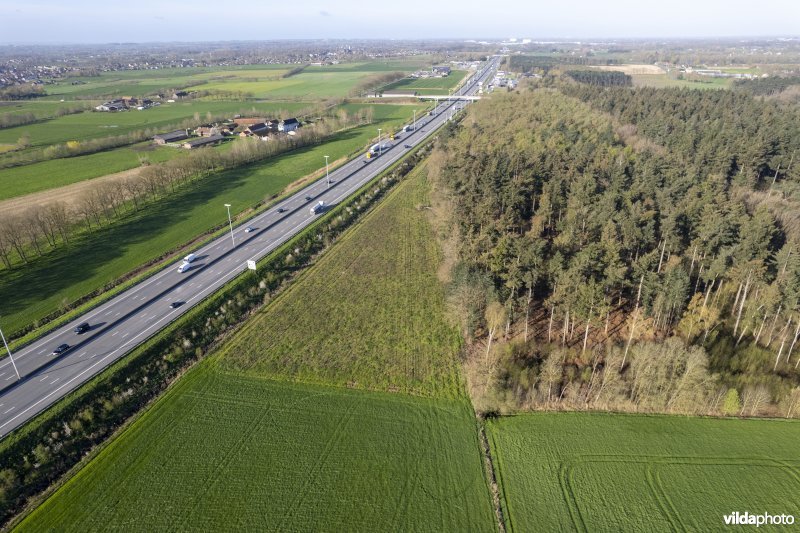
{"x": 10, "y": 120}
{"x": 601, "y": 78}
{"x": 593, "y": 246}
{"x": 375, "y": 81}
{"x": 22, "y": 91}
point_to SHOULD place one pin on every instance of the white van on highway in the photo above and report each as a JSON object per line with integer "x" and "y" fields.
{"x": 184, "y": 267}
{"x": 189, "y": 258}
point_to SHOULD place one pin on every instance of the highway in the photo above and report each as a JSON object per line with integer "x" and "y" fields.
{"x": 128, "y": 319}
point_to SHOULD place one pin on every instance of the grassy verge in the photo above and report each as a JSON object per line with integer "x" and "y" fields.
{"x": 607, "y": 472}
{"x": 100, "y": 258}
{"x": 369, "y": 314}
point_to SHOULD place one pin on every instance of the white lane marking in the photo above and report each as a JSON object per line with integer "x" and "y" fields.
{"x": 118, "y": 313}
{"x": 113, "y": 334}
{"x": 8, "y": 410}
{"x": 54, "y": 381}
{"x": 109, "y": 312}
{"x": 3, "y": 374}
{"x": 44, "y": 377}
{"x": 125, "y": 334}
{"x": 9, "y": 378}
{"x": 81, "y": 354}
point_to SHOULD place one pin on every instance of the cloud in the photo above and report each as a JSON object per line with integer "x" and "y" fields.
{"x": 324, "y": 14}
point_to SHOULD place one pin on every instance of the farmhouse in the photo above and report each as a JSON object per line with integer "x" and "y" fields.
{"x": 113, "y": 105}
{"x": 290, "y": 124}
{"x": 203, "y": 141}
{"x": 256, "y": 130}
{"x": 443, "y": 70}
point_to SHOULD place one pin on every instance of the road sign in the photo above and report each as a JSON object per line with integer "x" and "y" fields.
{"x": 251, "y": 264}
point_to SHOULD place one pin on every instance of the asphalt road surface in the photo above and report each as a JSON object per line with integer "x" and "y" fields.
{"x": 122, "y": 323}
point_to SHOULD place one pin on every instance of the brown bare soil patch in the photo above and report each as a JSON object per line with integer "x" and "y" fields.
{"x": 632, "y": 69}
{"x": 68, "y": 194}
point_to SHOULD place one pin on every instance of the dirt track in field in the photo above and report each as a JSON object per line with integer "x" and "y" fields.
{"x": 632, "y": 69}
{"x": 68, "y": 193}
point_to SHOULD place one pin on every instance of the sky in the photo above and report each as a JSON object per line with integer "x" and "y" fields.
{"x": 96, "y": 21}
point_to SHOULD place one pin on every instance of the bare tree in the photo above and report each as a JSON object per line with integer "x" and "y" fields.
{"x": 32, "y": 228}
{"x": 495, "y": 317}
{"x": 5, "y": 243}
{"x": 59, "y": 218}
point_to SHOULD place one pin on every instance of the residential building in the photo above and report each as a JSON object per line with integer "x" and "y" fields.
{"x": 290, "y": 124}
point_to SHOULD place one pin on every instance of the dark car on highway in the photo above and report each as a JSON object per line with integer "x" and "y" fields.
{"x": 61, "y": 348}
{"x": 308, "y": 198}
{"x": 281, "y": 209}
{"x": 81, "y": 328}
{"x": 175, "y": 305}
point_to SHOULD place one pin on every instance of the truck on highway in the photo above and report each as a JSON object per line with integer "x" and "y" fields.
{"x": 377, "y": 149}
{"x": 318, "y": 208}
{"x": 184, "y": 267}
{"x": 189, "y": 258}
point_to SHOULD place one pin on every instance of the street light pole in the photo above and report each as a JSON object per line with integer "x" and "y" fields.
{"x": 230, "y": 222}
{"x": 380, "y": 151}
{"x": 327, "y": 176}
{"x": 9, "y": 355}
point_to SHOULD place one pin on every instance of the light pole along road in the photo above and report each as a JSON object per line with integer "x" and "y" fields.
{"x": 125, "y": 321}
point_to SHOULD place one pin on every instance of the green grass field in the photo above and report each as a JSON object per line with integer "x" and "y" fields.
{"x": 606, "y": 472}
{"x": 18, "y": 181}
{"x": 663, "y": 80}
{"x": 142, "y": 82}
{"x": 379, "y": 306}
{"x": 39, "y": 107}
{"x": 94, "y": 124}
{"x": 225, "y": 452}
{"x": 263, "y": 81}
{"x": 233, "y": 450}
{"x": 35, "y": 290}
{"x": 429, "y": 86}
